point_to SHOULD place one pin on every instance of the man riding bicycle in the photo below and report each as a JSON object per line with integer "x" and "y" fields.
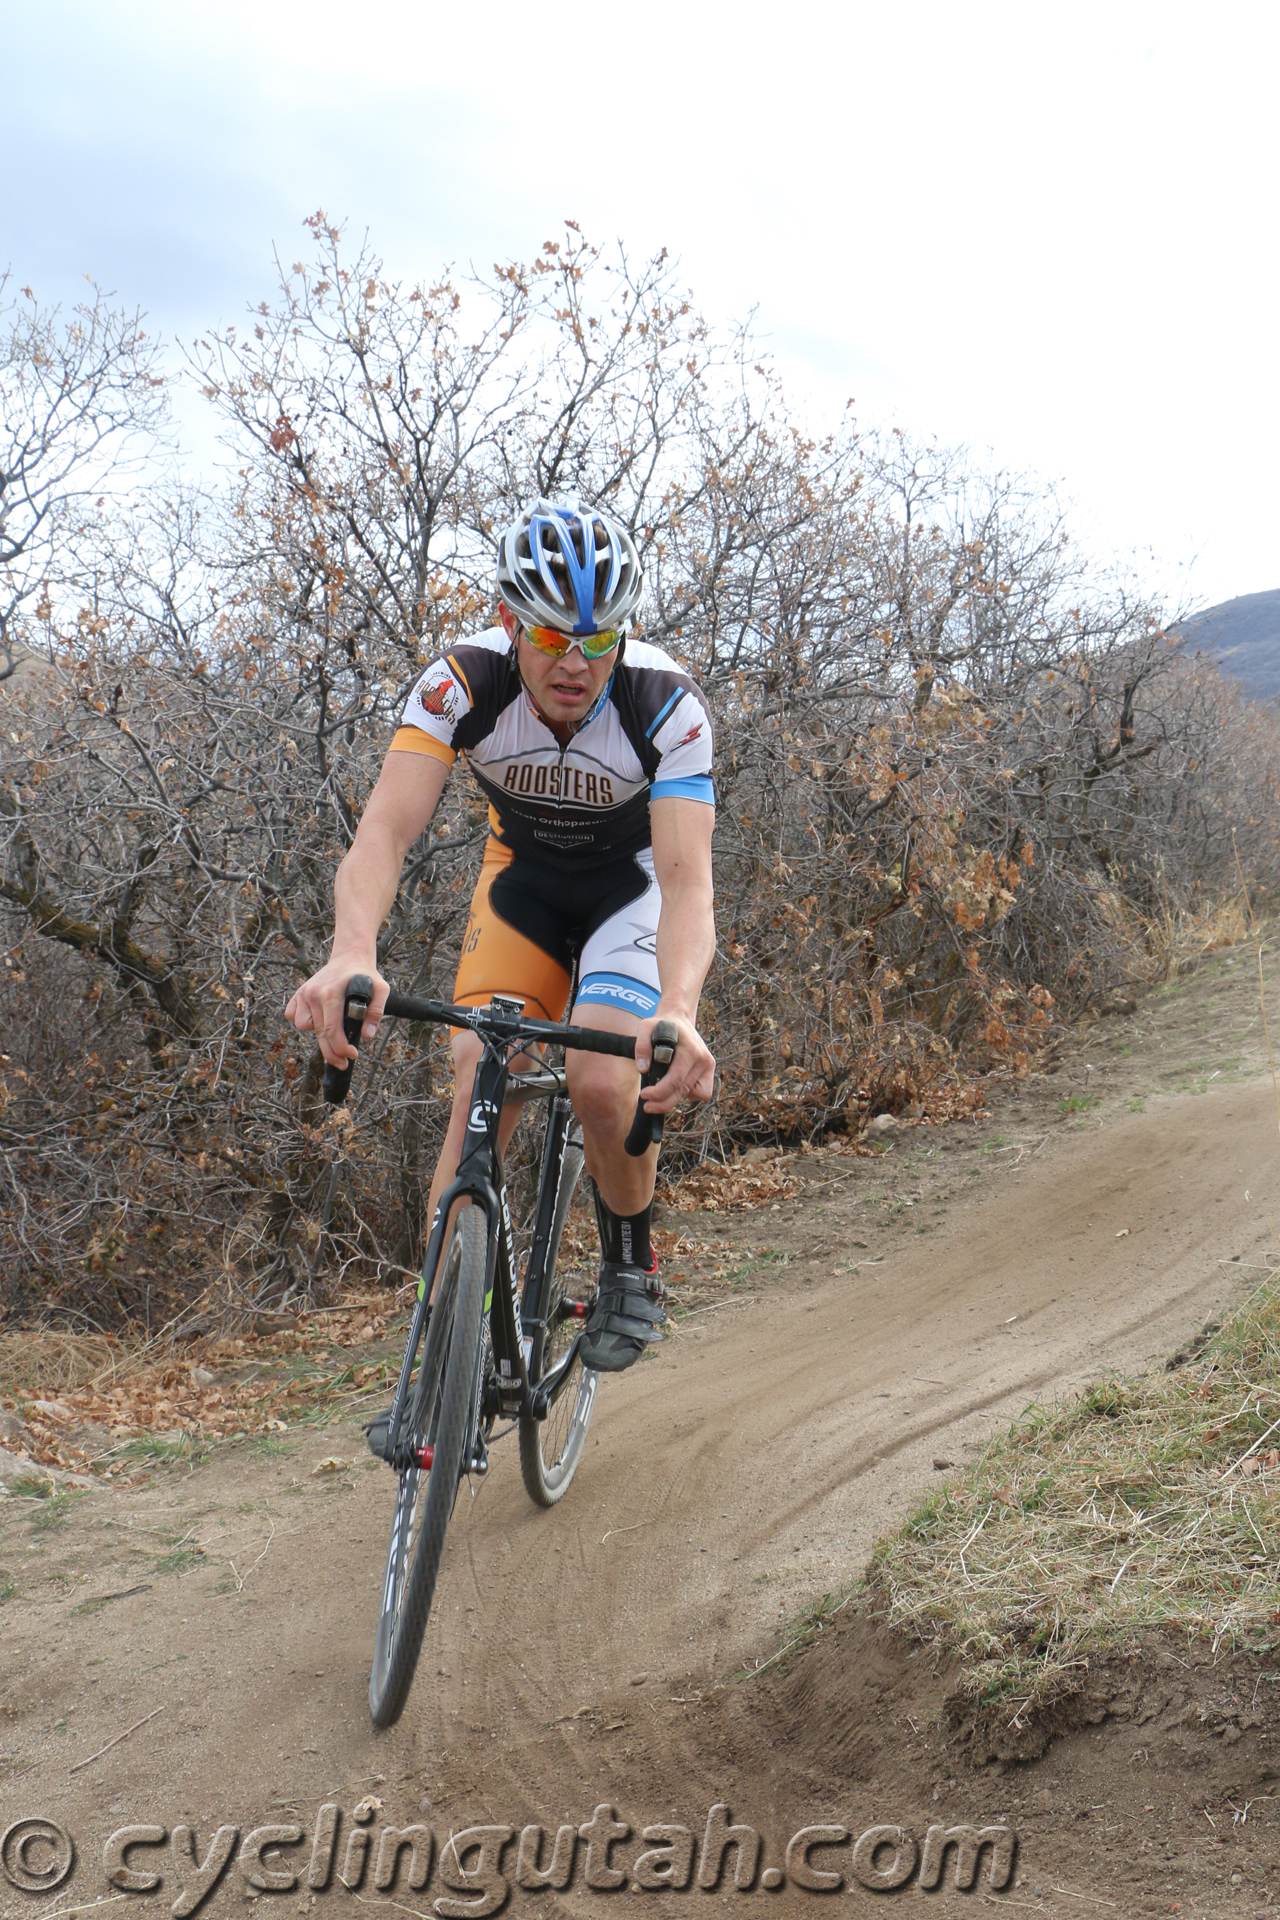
{"x": 593, "y": 749}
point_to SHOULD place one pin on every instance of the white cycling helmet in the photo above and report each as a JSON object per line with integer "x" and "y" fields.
{"x": 569, "y": 566}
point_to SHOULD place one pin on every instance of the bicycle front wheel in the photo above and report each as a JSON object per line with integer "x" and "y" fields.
{"x": 550, "y": 1449}
{"x": 438, "y": 1418}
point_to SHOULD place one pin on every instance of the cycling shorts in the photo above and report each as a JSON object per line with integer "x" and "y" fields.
{"x": 529, "y": 921}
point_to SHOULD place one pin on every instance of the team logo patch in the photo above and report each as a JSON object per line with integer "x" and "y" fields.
{"x": 607, "y": 990}
{"x": 439, "y": 698}
{"x": 689, "y": 738}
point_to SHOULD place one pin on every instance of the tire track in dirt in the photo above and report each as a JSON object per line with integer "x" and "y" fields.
{"x": 813, "y": 1434}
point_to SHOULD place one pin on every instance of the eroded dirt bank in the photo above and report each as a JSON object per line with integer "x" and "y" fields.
{"x": 890, "y": 1315}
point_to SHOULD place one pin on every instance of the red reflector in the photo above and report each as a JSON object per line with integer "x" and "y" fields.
{"x": 426, "y": 1456}
{"x": 579, "y": 1309}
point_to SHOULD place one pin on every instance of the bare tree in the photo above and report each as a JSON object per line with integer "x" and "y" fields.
{"x": 960, "y": 775}
{"x": 79, "y": 397}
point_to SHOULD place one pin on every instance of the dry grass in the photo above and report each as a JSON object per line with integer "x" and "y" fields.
{"x": 1172, "y": 938}
{"x": 50, "y": 1360}
{"x": 1139, "y": 1504}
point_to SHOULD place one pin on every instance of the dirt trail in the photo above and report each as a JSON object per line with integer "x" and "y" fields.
{"x": 740, "y": 1472}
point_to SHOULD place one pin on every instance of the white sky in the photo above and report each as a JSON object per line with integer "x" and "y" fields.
{"x": 1047, "y": 231}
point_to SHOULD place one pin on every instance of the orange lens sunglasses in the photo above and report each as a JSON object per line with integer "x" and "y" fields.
{"x": 551, "y": 640}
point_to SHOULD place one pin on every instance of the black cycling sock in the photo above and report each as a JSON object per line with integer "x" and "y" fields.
{"x": 625, "y": 1237}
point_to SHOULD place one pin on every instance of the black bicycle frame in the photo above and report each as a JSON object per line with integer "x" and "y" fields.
{"x": 481, "y": 1157}
{"x": 504, "y": 1033}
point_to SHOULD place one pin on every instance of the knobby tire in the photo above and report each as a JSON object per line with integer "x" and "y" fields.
{"x": 550, "y": 1449}
{"x": 439, "y": 1417}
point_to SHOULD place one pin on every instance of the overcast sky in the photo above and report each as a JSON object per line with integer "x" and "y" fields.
{"x": 1046, "y": 232}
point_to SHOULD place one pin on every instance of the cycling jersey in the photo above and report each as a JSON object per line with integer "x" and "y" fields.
{"x": 585, "y": 804}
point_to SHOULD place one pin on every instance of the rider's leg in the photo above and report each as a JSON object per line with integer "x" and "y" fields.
{"x": 618, "y": 990}
{"x": 628, "y": 1311}
{"x": 604, "y": 1089}
{"x": 499, "y": 955}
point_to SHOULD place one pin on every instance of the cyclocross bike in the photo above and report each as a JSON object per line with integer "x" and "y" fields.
{"x": 479, "y": 1348}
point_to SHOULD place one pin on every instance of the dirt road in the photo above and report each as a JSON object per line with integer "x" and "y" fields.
{"x": 577, "y": 1657}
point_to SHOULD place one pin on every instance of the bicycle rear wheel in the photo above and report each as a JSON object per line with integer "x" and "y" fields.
{"x": 550, "y": 1449}
{"x": 438, "y": 1418}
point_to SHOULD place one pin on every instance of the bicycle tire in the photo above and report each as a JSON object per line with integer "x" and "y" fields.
{"x": 440, "y": 1417}
{"x": 550, "y": 1449}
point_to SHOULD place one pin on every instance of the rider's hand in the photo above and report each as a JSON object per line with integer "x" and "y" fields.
{"x": 317, "y": 1007}
{"x": 692, "y": 1073}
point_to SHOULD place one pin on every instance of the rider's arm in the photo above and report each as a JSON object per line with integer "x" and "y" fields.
{"x": 364, "y": 889}
{"x": 686, "y": 943}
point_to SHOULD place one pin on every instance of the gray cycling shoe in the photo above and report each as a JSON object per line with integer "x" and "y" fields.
{"x": 377, "y": 1434}
{"x": 625, "y": 1319}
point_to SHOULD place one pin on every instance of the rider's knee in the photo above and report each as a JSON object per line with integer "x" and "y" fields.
{"x": 600, "y": 1088}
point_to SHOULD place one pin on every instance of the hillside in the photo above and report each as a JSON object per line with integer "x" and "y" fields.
{"x": 1243, "y": 635}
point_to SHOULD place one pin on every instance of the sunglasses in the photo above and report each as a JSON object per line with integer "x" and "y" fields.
{"x": 557, "y": 644}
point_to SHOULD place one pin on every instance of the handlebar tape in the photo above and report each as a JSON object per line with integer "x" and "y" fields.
{"x": 646, "y": 1128}
{"x": 355, "y": 1005}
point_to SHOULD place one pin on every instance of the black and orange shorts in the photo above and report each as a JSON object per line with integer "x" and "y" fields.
{"x": 530, "y": 922}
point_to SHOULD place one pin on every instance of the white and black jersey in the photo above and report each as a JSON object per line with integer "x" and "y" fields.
{"x": 586, "y": 804}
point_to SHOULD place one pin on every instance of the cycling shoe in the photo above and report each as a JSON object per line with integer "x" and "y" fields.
{"x": 625, "y": 1319}
{"x": 377, "y": 1433}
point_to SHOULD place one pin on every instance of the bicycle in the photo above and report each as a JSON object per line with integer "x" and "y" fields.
{"x": 488, "y": 1350}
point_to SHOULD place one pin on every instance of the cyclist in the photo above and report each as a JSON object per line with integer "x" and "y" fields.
{"x": 594, "y": 751}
